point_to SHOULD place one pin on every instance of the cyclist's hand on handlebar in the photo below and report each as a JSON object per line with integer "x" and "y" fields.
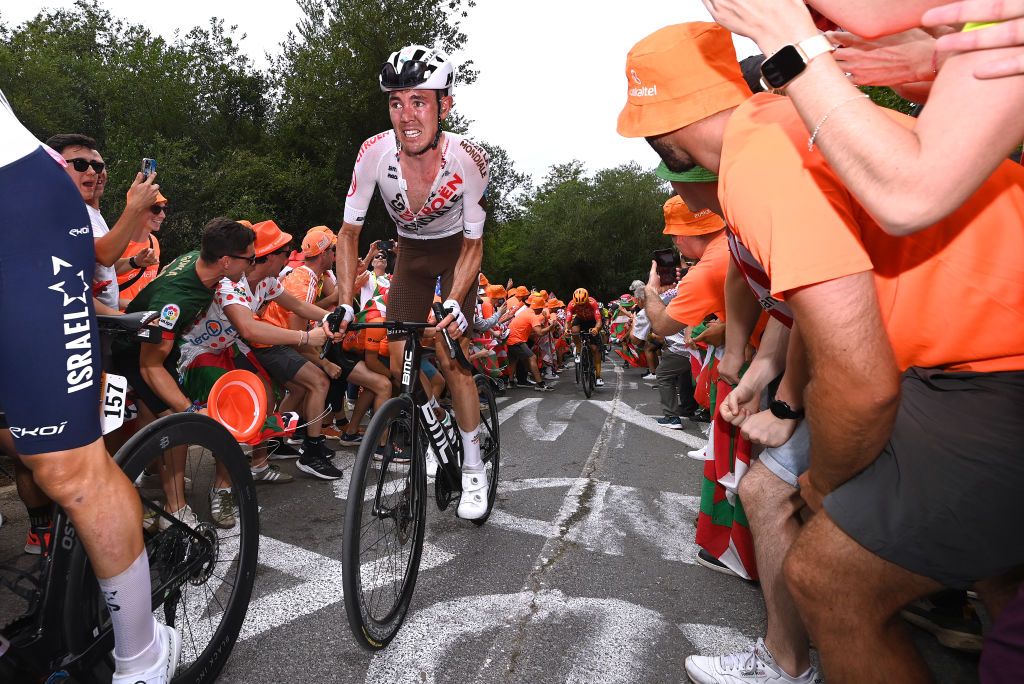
{"x": 455, "y": 322}
{"x": 336, "y": 323}
{"x": 594, "y": 331}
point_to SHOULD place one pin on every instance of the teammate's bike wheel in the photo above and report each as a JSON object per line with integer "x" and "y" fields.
{"x": 588, "y": 372}
{"x": 490, "y": 441}
{"x": 384, "y": 526}
{"x": 202, "y": 573}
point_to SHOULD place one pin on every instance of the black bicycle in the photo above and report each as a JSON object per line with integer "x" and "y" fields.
{"x": 585, "y": 372}
{"x": 386, "y": 509}
{"x": 202, "y": 576}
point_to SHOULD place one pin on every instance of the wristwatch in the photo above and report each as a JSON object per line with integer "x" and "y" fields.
{"x": 784, "y": 411}
{"x": 791, "y": 60}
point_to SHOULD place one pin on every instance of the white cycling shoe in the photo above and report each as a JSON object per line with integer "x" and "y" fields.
{"x": 163, "y": 671}
{"x": 598, "y": 382}
{"x": 473, "y": 503}
{"x": 431, "y": 462}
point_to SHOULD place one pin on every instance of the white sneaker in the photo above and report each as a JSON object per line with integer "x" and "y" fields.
{"x": 431, "y": 462}
{"x": 473, "y": 504}
{"x": 598, "y": 382}
{"x": 163, "y": 671}
{"x": 650, "y": 376}
{"x": 185, "y": 514}
{"x": 754, "y": 667}
{"x": 698, "y": 454}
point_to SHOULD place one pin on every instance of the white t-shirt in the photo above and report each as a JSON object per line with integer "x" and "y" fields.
{"x": 454, "y": 204}
{"x": 16, "y": 142}
{"x": 213, "y": 332}
{"x": 111, "y": 292}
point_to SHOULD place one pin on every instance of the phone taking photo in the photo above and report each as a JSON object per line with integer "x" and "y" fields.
{"x": 667, "y": 262}
{"x": 148, "y": 167}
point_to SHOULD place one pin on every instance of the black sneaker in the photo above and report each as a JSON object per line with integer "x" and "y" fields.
{"x": 950, "y": 617}
{"x": 701, "y": 415}
{"x": 284, "y": 451}
{"x": 313, "y": 461}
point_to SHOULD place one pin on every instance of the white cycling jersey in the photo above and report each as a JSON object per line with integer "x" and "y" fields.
{"x": 455, "y": 202}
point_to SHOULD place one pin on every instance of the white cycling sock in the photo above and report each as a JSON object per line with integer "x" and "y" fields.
{"x": 128, "y": 597}
{"x": 471, "y": 449}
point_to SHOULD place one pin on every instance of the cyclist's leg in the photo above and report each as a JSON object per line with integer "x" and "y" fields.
{"x": 53, "y": 407}
{"x": 596, "y": 350}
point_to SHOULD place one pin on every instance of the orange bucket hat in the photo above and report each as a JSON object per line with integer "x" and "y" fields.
{"x": 238, "y": 401}
{"x": 521, "y": 291}
{"x": 269, "y": 238}
{"x": 679, "y": 220}
{"x": 538, "y": 301}
{"x": 247, "y": 224}
{"x": 326, "y": 230}
{"x": 315, "y": 243}
{"x": 496, "y": 291}
{"x": 679, "y": 75}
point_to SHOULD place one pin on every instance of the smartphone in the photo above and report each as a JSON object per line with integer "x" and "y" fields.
{"x": 385, "y": 245}
{"x": 667, "y": 261}
{"x": 148, "y": 167}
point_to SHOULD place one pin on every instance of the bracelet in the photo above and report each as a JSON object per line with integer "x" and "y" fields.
{"x": 306, "y": 339}
{"x": 132, "y": 262}
{"x": 814, "y": 134}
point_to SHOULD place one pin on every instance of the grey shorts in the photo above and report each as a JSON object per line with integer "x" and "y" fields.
{"x": 943, "y": 499}
{"x": 791, "y": 460}
{"x": 520, "y": 352}
{"x": 283, "y": 363}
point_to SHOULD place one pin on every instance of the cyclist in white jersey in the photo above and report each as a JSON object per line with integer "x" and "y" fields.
{"x": 433, "y": 184}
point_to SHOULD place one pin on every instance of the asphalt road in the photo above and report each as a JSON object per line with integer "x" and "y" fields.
{"x": 585, "y": 572}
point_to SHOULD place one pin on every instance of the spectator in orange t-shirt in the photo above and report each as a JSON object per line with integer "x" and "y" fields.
{"x": 527, "y": 323}
{"x": 894, "y": 478}
{"x": 140, "y": 261}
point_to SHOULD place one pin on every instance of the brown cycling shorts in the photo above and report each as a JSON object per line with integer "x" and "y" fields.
{"x": 419, "y": 264}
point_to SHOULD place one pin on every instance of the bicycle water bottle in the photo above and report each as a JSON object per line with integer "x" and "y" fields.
{"x": 438, "y": 433}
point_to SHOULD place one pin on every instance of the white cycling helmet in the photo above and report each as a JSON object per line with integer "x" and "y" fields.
{"x": 418, "y": 66}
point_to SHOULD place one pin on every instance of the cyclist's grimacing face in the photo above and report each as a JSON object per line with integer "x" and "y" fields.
{"x": 414, "y": 117}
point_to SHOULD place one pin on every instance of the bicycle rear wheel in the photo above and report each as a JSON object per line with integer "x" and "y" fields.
{"x": 384, "y": 526}
{"x": 490, "y": 441}
{"x": 202, "y": 573}
{"x": 588, "y": 371}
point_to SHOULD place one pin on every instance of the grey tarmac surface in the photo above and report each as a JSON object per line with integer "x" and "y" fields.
{"x": 584, "y": 573}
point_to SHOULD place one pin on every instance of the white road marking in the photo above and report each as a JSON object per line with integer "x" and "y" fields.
{"x": 321, "y": 587}
{"x": 633, "y": 417}
{"x": 614, "y": 648}
{"x": 713, "y": 640}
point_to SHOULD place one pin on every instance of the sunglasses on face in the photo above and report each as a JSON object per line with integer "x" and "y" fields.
{"x": 81, "y": 165}
{"x": 157, "y": 208}
{"x": 380, "y": 257}
{"x": 280, "y": 252}
{"x": 250, "y": 259}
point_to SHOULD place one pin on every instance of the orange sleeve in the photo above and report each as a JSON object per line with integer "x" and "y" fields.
{"x": 702, "y": 289}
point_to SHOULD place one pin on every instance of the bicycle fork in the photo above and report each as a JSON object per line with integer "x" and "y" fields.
{"x": 443, "y": 445}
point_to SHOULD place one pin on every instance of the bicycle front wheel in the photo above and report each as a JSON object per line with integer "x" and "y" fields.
{"x": 202, "y": 568}
{"x": 490, "y": 441}
{"x": 384, "y": 525}
{"x": 588, "y": 372}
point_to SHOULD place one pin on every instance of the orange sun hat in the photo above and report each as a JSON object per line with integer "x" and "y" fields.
{"x": 238, "y": 401}
{"x": 679, "y": 220}
{"x": 679, "y": 75}
{"x": 269, "y": 238}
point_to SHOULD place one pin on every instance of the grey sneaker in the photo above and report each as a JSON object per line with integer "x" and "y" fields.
{"x": 754, "y": 667}
{"x": 270, "y": 474}
{"x": 222, "y": 508}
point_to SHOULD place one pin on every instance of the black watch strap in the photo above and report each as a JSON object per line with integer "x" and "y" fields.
{"x": 784, "y": 411}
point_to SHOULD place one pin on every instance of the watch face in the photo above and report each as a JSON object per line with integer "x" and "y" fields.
{"x": 783, "y": 66}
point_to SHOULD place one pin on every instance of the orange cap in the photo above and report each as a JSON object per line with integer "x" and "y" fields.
{"x": 679, "y": 75}
{"x": 315, "y": 243}
{"x": 327, "y": 231}
{"x": 238, "y": 401}
{"x": 483, "y": 280}
{"x": 269, "y": 238}
{"x": 243, "y": 222}
{"x": 160, "y": 199}
{"x": 496, "y": 291}
{"x": 679, "y": 220}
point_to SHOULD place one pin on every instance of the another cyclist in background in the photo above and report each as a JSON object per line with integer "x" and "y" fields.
{"x": 584, "y": 312}
{"x": 53, "y": 407}
{"x": 433, "y": 184}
